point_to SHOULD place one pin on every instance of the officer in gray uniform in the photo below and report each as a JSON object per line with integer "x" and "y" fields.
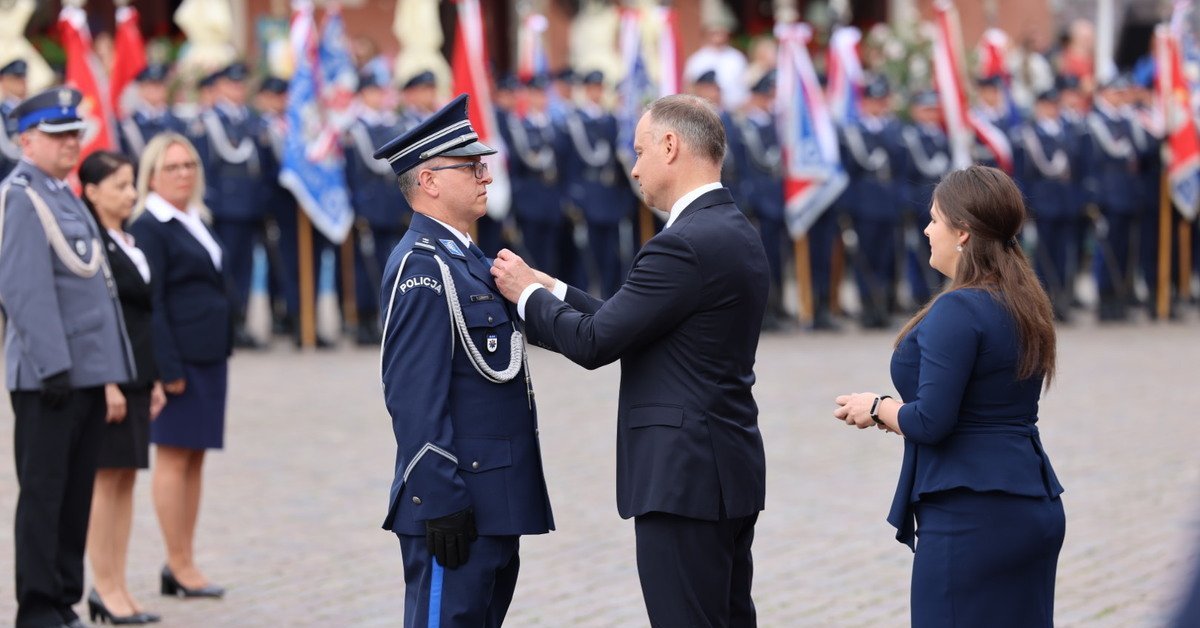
{"x": 65, "y": 340}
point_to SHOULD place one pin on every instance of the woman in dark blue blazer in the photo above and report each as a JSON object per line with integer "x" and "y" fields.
{"x": 976, "y": 488}
{"x": 193, "y": 333}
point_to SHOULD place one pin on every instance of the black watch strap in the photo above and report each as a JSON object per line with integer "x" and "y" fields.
{"x": 874, "y": 413}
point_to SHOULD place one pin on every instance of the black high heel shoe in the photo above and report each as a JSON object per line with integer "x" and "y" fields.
{"x": 171, "y": 586}
{"x": 97, "y": 609}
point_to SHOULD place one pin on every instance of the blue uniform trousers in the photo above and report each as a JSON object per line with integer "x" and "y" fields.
{"x": 1055, "y": 247}
{"x": 474, "y": 595}
{"x": 695, "y": 572}
{"x": 772, "y": 233}
{"x": 1149, "y": 247}
{"x": 1111, "y": 265}
{"x": 821, "y": 237}
{"x": 605, "y": 242}
{"x": 289, "y": 255}
{"x": 875, "y": 267}
{"x": 237, "y": 239}
{"x": 986, "y": 560}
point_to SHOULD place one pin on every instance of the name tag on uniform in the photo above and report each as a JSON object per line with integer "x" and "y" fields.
{"x": 493, "y": 343}
{"x": 476, "y": 298}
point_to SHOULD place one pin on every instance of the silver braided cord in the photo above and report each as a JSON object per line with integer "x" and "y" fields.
{"x": 516, "y": 344}
{"x": 59, "y": 242}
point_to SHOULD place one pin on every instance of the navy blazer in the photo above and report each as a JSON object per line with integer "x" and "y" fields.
{"x": 137, "y": 306}
{"x": 685, "y": 326}
{"x": 192, "y": 312}
{"x": 968, "y": 421}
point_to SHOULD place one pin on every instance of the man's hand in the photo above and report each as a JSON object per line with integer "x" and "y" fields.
{"x": 512, "y": 275}
{"x": 449, "y": 538}
{"x": 56, "y": 389}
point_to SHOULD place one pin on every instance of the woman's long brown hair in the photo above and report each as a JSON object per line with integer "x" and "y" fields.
{"x": 986, "y": 203}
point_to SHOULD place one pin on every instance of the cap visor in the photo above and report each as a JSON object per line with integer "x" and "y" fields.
{"x": 61, "y": 126}
{"x": 470, "y": 150}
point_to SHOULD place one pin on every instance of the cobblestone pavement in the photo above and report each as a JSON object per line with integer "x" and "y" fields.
{"x": 291, "y": 511}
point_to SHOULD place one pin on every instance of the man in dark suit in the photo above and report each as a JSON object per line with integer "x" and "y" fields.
{"x": 690, "y": 464}
{"x": 468, "y": 478}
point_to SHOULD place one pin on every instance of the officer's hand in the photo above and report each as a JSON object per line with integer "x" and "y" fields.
{"x": 114, "y": 401}
{"x": 56, "y": 389}
{"x": 449, "y": 538}
{"x": 512, "y": 275}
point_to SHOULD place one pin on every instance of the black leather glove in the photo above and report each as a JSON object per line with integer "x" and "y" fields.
{"x": 56, "y": 389}
{"x": 449, "y": 538}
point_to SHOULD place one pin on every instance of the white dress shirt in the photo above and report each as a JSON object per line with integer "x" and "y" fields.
{"x": 164, "y": 212}
{"x": 462, "y": 237}
{"x": 560, "y": 289}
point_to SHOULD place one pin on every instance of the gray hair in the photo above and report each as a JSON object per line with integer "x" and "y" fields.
{"x": 409, "y": 180}
{"x": 695, "y": 121}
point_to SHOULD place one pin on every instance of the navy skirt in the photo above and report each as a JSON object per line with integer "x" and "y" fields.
{"x": 195, "y": 419}
{"x": 986, "y": 559}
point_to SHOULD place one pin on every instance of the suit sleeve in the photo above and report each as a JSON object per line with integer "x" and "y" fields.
{"x": 27, "y": 289}
{"x": 416, "y": 369}
{"x": 166, "y": 353}
{"x": 662, "y": 289}
{"x": 949, "y": 343}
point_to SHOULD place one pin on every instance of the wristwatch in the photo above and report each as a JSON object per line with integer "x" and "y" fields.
{"x": 874, "y": 413}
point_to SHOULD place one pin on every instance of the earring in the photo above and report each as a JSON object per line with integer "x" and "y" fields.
{"x": 958, "y": 248}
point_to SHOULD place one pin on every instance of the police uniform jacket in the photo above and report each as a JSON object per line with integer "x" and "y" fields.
{"x": 141, "y": 127}
{"x": 535, "y": 154}
{"x": 760, "y": 174}
{"x": 872, "y": 156}
{"x": 1076, "y": 127}
{"x": 192, "y": 310}
{"x": 927, "y": 159}
{"x": 232, "y": 155}
{"x": 373, "y": 190}
{"x": 595, "y": 178}
{"x": 1112, "y": 164}
{"x": 685, "y": 326}
{"x": 279, "y": 201}
{"x": 462, "y": 440}
{"x": 60, "y": 301}
{"x": 1044, "y": 164}
{"x": 1149, "y": 149}
{"x": 10, "y": 151}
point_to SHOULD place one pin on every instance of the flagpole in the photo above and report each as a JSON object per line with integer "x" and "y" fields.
{"x": 308, "y": 301}
{"x": 1163, "y": 59}
{"x": 804, "y": 291}
{"x": 349, "y": 288}
{"x": 1185, "y": 257}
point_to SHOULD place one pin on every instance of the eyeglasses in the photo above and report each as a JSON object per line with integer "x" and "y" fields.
{"x": 185, "y": 167}
{"x": 480, "y": 168}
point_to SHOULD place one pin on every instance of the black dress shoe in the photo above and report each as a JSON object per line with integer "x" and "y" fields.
{"x": 171, "y": 586}
{"x": 97, "y": 609}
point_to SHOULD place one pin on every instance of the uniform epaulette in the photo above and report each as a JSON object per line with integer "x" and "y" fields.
{"x": 20, "y": 179}
{"x": 424, "y": 243}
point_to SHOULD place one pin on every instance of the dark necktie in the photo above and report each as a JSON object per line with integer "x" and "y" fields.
{"x": 477, "y": 252}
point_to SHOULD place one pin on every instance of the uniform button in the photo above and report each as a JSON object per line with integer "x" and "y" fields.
{"x": 489, "y": 318}
{"x": 416, "y": 500}
{"x": 475, "y": 465}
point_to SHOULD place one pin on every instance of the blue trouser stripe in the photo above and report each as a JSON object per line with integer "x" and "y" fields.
{"x": 435, "y": 596}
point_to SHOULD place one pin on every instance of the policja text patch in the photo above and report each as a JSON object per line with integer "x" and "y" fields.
{"x": 420, "y": 281}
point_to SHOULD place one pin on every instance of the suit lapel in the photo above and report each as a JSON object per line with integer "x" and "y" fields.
{"x": 719, "y": 196}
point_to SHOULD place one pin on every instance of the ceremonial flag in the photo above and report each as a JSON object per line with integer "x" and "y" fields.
{"x": 844, "y": 74}
{"x": 312, "y": 169}
{"x": 338, "y": 78}
{"x": 962, "y": 126}
{"x": 669, "y": 69}
{"x": 813, "y": 175}
{"x": 992, "y": 49}
{"x": 469, "y": 66}
{"x": 531, "y": 56}
{"x": 1181, "y": 150}
{"x": 129, "y": 54}
{"x": 84, "y": 74}
{"x": 635, "y": 90}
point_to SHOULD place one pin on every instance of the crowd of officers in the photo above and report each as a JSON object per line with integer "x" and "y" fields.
{"x": 1089, "y": 166}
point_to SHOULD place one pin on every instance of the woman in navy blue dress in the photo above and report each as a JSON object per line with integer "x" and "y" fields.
{"x": 193, "y": 332}
{"x": 977, "y": 498}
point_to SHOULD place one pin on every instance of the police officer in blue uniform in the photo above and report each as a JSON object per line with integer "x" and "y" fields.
{"x": 1045, "y": 163}
{"x": 233, "y": 170}
{"x": 493, "y": 233}
{"x": 381, "y": 211}
{"x": 1112, "y": 171}
{"x": 12, "y": 92}
{"x": 420, "y": 98}
{"x": 65, "y": 340}
{"x": 1074, "y": 107}
{"x": 1149, "y": 128}
{"x": 596, "y": 182}
{"x": 927, "y": 159}
{"x": 872, "y": 157}
{"x": 993, "y": 109}
{"x": 535, "y": 153}
{"x": 152, "y": 114}
{"x": 468, "y": 478}
{"x": 756, "y": 153}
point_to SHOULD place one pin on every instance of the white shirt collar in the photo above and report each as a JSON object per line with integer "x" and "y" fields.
{"x": 164, "y": 211}
{"x": 462, "y": 237}
{"x": 687, "y": 199}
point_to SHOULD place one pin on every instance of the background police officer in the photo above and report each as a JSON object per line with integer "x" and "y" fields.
{"x": 12, "y": 92}
{"x": 65, "y": 340}
{"x": 927, "y": 158}
{"x": 152, "y": 114}
{"x": 535, "y": 162}
{"x": 468, "y": 477}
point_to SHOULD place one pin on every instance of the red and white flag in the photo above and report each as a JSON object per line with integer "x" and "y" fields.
{"x": 469, "y": 67}
{"x": 84, "y": 74}
{"x": 129, "y": 54}
{"x": 1181, "y": 150}
{"x": 669, "y": 65}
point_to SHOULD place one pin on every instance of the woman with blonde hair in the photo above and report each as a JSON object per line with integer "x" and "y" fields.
{"x": 193, "y": 332}
{"x": 976, "y": 487}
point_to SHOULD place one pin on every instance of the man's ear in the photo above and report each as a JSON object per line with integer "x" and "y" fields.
{"x": 428, "y": 183}
{"x": 670, "y": 145}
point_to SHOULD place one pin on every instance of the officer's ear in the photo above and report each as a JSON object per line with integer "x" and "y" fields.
{"x": 428, "y": 182}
